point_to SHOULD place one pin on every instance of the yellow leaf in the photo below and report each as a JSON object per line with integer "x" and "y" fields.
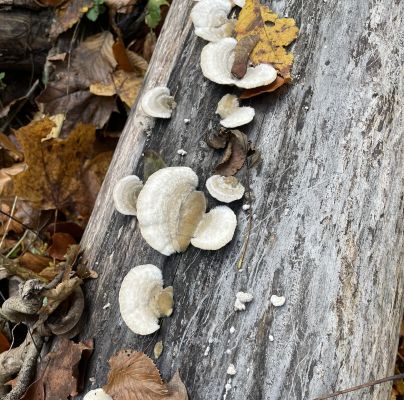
{"x": 275, "y": 34}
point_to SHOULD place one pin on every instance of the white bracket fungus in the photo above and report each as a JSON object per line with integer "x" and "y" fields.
{"x": 240, "y": 3}
{"x": 216, "y": 229}
{"x": 97, "y": 394}
{"x": 125, "y": 194}
{"x": 158, "y": 103}
{"x": 232, "y": 114}
{"x": 217, "y": 60}
{"x": 169, "y": 209}
{"x": 225, "y": 188}
{"x": 277, "y": 301}
{"x": 142, "y": 299}
{"x": 171, "y": 214}
{"x": 241, "y": 299}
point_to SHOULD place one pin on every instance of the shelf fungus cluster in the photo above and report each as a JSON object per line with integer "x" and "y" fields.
{"x": 232, "y": 114}
{"x": 158, "y": 102}
{"x": 172, "y": 213}
{"x": 143, "y": 300}
{"x": 210, "y": 19}
{"x": 225, "y": 188}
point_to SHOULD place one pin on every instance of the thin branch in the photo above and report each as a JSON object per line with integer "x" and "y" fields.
{"x": 359, "y": 387}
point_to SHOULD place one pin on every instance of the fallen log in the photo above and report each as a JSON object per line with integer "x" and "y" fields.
{"x": 327, "y": 230}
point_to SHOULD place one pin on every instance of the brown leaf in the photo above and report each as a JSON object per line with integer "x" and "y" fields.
{"x": 235, "y": 154}
{"x": 8, "y": 145}
{"x": 152, "y": 163}
{"x": 60, "y": 243}
{"x": 34, "y": 262}
{"x": 133, "y": 376}
{"x": 6, "y": 179}
{"x": 176, "y": 388}
{"x": 4, "y": 342}
{"x": 55, "y": 167}
{"x": 67, "y": 15}
{"x": 69, "y": 227}
{"x": 138, "y": 63}
{"x": 57, "y": 375}
{"x": 121, "y": 56}
{"x": 218, "y": 140}
{"x": 121, "y": 6}
{"x": 276, "y": 84}
{"x": 242, "y": 53}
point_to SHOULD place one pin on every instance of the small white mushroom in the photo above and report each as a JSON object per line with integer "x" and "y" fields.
{"x": 216, "y": 229}
{"x": 125, "y": 194}
{"x": 241, "y": 299}
{"x": 277, "y": 301}
{"x": 232, "y": 114}
{"x": 225, "y": 188}
{"x": 97, "y": 394}
{"x": 142, "y": 299}
{"x": 217, "y": 60}
{"x": 210, "y": 13}
{"x": 158, "y": 103}
{"x": 169, "y": 209}
{"x": 231, "y": 370}
{"x": 214, "y": 34}
{"x": 240, "y": 3}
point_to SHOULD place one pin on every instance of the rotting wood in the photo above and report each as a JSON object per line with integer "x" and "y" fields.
{"x": 327, "y": 230}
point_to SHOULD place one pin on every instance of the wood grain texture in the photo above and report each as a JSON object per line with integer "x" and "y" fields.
{"x": 328, "y": 217}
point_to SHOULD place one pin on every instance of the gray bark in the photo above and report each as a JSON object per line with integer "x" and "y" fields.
{"x": 328, "y": 227}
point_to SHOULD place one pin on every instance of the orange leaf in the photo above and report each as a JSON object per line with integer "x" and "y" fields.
{"x": 280, "y": 81}
{"x": 60, "y": 243}
{"x": 4, "y": 343}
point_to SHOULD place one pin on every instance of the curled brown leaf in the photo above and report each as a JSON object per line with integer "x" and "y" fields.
{"x": 243, "y": 50}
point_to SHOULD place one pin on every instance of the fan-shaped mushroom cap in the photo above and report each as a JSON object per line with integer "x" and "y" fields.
{"x": 210, "y": 13}
{"x": 169, "y": 209}
{"x": 217, "y": 60}
{"x": 216, "y": 229}
{"x": 125, "y": 194}
{"x": 240, "y": 3}
{"x": 214, "y": 34}
{"x": 158, "y": 103}
{"x": 142, "y": 299}
{"x": 225, "y": 188}
{"x": 97, "y": 394}
{"x": 233, "y": 115}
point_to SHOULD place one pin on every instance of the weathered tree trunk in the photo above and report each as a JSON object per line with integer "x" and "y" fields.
{"x": 24, "y": 41}
{"x": 327, "y": 230}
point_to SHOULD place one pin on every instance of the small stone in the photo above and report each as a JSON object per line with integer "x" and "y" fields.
{"x": 232, "y": 329}
{"x": 277, "y": 301}
{"x": 231, "y": 370}
{"x": 182, "y": 152}
{"x": 246, "y": 207}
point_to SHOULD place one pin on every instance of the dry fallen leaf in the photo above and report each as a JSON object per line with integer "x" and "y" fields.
{"x": 58, "y": 373}
{"x": 34, "y": 262}
{"x": 242, "y": 53}
{"x": 60, "y": 243}
{"x": 133, "y": 376}
{"x": 248, "y": 93}
{"x": 4, "y": 343}
{"x": 234, "y": 155}
{"x": 275, "y": 34}
{"x": 218, "y": 140}
{"x": 55, "y": 166}
{"x": 177, "y": 389}
{"x": 67, "y": 15}
{"x": 6, "y": 179}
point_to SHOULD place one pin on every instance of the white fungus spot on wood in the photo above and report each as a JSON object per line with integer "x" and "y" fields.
{"x": 232, "y": 329}
{"x": 271, "y": 338}
{"x": 106, "y": 306}
{"x": 241, "y": 299}
{"x": 182, "y": 152}
{"x": 277, "y": 301}
{"x": 231, "y": 370}
{"x": 246, "y": 207}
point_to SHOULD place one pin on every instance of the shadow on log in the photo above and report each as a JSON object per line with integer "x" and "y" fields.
{"x": 327, "y": 230}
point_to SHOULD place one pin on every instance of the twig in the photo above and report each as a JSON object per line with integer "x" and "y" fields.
{"x": 359, "y": 387}
{"x": 28, "y": 368}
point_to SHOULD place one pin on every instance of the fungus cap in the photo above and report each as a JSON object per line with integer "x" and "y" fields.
{"x": 142, "y": 299}
{"x": 216, "y": 62}
{"x": 125, "y": 194}
{"x": 210, "y": 13}
{"x": 225, "y": 188}
{"x": 97, "y": 394}
{"x": 233, "y": 115}
{"x": 216, "y": 229}
{"x": 214, "y": 34}
{"x": 158, "y": 103}
{"x": 169, "y": 209}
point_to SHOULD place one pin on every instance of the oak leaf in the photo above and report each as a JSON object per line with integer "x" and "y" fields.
{"x": 275, "y": 34}
{"x": 133, "y": 376}
{"x": 55, "y": 167}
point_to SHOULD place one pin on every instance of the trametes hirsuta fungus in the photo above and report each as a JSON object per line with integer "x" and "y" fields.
{"x": 217, "y": 61}
{"x": 143, "y": 300}
{"x": 125, "y": 194}
{"x": 158, "y": 102}
{"x": 210, "y": 19}
{"x": 225, "y": 188}
{"x": 232, "y": 114}
{"x": 97, "y": 394}
{"x": 171, "y": 213}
